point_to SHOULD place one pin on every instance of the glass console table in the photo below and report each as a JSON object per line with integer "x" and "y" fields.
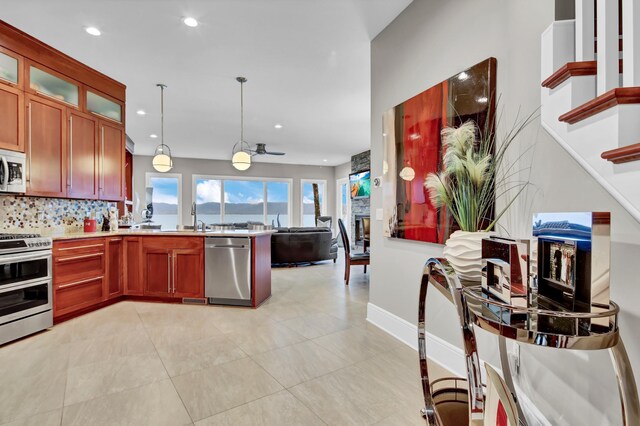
{"x": 537, "y": 325}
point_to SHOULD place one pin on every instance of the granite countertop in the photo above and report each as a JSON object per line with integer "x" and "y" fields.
{"x": 162, "y": 233}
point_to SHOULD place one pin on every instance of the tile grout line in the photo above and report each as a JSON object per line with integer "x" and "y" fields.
{"x": 165, "y": 367}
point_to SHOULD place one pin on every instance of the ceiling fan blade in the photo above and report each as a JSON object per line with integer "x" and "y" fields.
{"x": 274, "y": 153}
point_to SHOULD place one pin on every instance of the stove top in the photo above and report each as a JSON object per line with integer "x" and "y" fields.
{"x": 18, "y": 243}
{"x": 17, "y": 236}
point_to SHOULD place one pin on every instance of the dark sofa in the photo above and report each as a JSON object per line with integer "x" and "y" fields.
{"x": 302, "y": 245}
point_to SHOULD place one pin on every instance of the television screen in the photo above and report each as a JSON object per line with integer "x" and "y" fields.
{"x": 360, "y": 184}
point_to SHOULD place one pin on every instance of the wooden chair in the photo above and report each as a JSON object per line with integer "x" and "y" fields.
{"x": 351, "y": 258}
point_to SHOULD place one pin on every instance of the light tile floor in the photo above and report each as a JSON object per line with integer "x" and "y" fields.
{"x": 306, "y": 357}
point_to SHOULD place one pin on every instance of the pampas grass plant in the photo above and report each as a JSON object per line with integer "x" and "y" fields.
{"x": 476, "y": 173}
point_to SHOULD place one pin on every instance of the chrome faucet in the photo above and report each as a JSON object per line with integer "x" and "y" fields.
{"x": 194, "y": 213}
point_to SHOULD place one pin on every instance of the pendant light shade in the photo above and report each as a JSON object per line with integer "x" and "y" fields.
{"x": 241, "y": 158}
{"x": 162, "y": 160}
{"x": 241, "y": 152}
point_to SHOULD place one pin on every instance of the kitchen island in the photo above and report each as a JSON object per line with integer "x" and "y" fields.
{"x": 92, "y": 270}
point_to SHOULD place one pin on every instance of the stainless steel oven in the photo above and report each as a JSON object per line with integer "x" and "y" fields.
{"x": 12, "y": 172}
{"x": 25, "y": 286}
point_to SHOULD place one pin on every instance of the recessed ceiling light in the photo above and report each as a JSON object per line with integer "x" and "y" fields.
{"x": 153, "y": 136}
{"x": 93, "y": 31}
{"x": 190, "y": 22}
{"x": 141, "y": 112}
{"x": 325, "y": 160}
{"x": 278, "y": 126}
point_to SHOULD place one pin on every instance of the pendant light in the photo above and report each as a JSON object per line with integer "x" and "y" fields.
{"x": 241, "y": 158}
{"x": 162, "y": 160}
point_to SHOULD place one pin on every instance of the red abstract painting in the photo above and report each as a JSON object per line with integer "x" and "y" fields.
{"x": 413, "y": 149}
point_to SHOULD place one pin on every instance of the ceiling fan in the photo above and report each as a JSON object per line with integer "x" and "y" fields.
{"x": 242, "y": 152}
{"x": 261, "y": 149}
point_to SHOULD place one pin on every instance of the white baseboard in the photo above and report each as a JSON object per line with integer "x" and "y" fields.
{"x": 440, "y": 351}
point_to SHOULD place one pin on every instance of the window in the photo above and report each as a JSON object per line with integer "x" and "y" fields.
{"x": 232, "y": 200}
{"x": 278, "y": 204}
{"x": 308, "y": 206}
{"x": 163, "y": 192}
{"x": 243, "y": 201}
{"x": 208, "y": 197}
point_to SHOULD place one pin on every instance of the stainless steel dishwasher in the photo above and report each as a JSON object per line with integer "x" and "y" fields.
{"x": 228, "y": 271}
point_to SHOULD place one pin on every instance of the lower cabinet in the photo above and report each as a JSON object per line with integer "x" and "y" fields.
{"x": 173, "y": 267}
{"x": 79, "y": 269}
{"x": 133, "y": 266}
{"x": 114, "y": 278}
{"x": 88, "y": 271}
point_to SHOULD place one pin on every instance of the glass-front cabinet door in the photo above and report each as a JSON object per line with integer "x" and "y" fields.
{"x": 104, "y": 107}
{"x": 47, "y": 84}
{"x": 9, "y": 68}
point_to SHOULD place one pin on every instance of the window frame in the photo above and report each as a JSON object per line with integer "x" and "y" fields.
{"x": 264, "y": 181}
{"x": 323, "y": 206}
{"x": 149, "y": 175}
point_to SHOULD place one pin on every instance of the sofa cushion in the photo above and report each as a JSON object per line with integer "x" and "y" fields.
{"x": 309, "y": 229}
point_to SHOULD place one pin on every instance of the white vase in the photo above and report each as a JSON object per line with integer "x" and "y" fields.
{"x": 463, "y": 250}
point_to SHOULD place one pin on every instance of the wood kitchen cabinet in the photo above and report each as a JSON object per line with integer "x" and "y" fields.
{"x": 67, "y": 117}
{"x": 46, "y": 147}
{"x": 79, "y": 269}
{"x": 112, "y": 161}
{"x": 83, "y": 155}
{"x": 11, "y": 118}
{"x": 133, "y": 266}
{"x": 173, "y": 267}
{"x": 114, "y": 276}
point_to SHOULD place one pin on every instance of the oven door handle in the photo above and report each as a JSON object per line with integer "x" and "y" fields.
{"x": 22, "y": 257}
{"x": 4, "y": 185}
{"x": 46, "y": 281}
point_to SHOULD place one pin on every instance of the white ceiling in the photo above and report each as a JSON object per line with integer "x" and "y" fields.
{"x": 307, "y": 63}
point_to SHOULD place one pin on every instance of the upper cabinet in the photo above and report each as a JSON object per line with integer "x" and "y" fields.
{"x": 47, "y": 84}
{"x": 10, "y": 66}
{"x": 11, "y": 102}
{"x": 67, "y": 117}
{"x": 104, "y": 107}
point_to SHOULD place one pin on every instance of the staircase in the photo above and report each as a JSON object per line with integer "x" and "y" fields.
{"x": 591, "y": 93}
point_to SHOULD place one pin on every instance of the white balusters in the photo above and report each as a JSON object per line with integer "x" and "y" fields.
{"x": 608, "y": 52}
{"x": 585, "y": 28}
{"x": 631, "y": 43}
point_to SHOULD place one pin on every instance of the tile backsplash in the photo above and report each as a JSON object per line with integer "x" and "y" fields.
{"x": 48, "y": 216}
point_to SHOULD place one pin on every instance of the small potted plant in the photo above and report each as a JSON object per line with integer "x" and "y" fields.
{"x": 476, "y": 173}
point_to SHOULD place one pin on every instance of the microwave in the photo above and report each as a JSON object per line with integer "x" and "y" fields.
{"x": 12, "y": 171}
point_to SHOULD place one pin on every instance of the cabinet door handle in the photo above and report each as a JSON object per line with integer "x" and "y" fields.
{"x": 168, "y": 273}
{"x": 102, "y": 158}
{"x": 70, "y": 184}
{"x": 73, "y": 284}
{"x": 85, "y": 256}
{"x": 30, "y": 132}
{"x": 81, "y": 247}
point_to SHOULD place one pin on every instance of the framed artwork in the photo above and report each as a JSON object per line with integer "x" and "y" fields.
{"x": 413, "y": 148}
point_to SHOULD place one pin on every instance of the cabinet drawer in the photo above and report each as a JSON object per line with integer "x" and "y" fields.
{"x": 171, "y": 243}
{"x": 76, "y": 295}
{"x": 80, "y": 246}
{"x": 77, "y": 260}
{"x": 74, "y": 267}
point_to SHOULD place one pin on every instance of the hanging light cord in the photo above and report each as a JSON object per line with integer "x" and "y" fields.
{"x": 241, "y": 111}
{"x": 162, "y": 87}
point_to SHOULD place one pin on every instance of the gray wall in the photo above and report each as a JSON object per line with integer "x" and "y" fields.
{"x": 430, "y": 41}
{"x": 190, "y": 166}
